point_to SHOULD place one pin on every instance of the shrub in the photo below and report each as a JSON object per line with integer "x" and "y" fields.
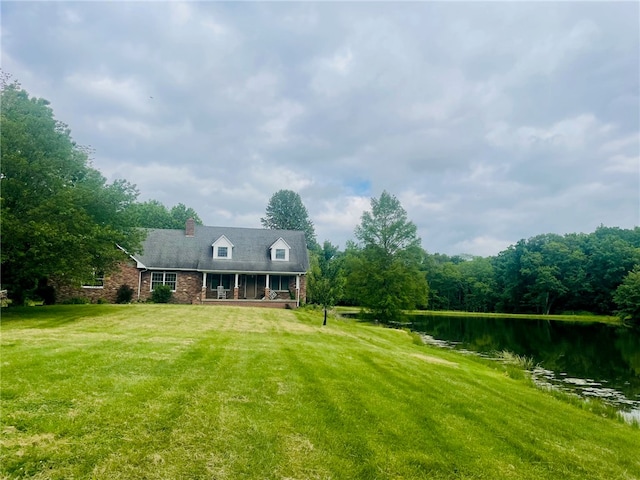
{"x": 124, "y": 294}
{"x": 76, "y": 301}
{"x": 161, "y": 294}
{"x": 102, "y": 301}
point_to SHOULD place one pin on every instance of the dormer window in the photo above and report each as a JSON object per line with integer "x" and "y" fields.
{"x": 280, "y": 251}
{"x": 222, "y": 248}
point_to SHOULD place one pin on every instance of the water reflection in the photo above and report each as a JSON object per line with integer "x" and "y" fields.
{"x": 592, "y": 360}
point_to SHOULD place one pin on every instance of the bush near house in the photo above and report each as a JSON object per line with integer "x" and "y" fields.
{"x": 161, "y": 294}
{"x": 124, "y": 294}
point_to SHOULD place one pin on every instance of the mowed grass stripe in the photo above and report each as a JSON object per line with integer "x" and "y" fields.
{"x": 151, "y": 391}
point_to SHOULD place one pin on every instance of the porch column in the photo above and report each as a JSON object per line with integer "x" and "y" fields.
{"x": 236, "y": 287}
{"x": 297, "y": 290}
{"x": 266, "y": 288}
{"x": 203, "y": 293}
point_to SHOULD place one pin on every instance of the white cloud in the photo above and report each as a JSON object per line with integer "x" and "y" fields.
{"x": 127, "y": 93}
{"x": 624, "y": 164}
{"x": 336, "y": 219}
{"x": 569, "y": 133}
{"x": 280, "y": 116}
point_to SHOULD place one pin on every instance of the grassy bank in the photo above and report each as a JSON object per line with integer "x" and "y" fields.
{"x": 582, "y": 317}
{"x": 158, "y": 392}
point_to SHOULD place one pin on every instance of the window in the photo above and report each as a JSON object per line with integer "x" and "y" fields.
{"x": 279, "y": 282}
{"x": 281, "y": 254}
{"x": 220, "y": 279}
{"x": 96, "y": 281}
{"x": 223, "y": 252}
{"x": 164, "y": 278}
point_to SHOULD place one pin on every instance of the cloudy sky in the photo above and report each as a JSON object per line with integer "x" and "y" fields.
{"x": 490, "y": 122}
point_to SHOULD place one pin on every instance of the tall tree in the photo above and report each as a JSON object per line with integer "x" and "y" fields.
{"x": 385, "y": 275}
{"x": 60, "y": 218}
{"x": 387, "y": 227}
{"x": 285, "y": 211}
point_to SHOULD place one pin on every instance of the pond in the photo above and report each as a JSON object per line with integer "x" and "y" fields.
{"x": 591, "y": 360}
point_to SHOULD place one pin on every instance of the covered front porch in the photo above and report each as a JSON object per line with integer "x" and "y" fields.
{"x": 243, "y": 288}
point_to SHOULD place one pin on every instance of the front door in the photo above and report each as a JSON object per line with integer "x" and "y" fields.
{"x": 250, "y": 286}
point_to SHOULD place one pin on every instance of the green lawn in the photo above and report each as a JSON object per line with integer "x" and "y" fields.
{"x": 189, "y": 392}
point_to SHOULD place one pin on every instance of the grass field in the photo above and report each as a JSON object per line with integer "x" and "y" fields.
{"x": 192, "y": 392}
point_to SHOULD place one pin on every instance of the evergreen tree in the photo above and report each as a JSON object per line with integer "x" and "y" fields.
{"x": 285, "y": 211}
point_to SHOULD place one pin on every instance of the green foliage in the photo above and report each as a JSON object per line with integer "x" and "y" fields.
{"x": 76, "y": 301}
{"x": 124, "y": 294}
{"x": 60, "y": 218}
{"x": 384, "y": 273}
{"x": 285, "y": 211}
{"x": 575, "y": 272}
{"x": 386, "y": 227}
{"x": 627, "y": 298}
{"x": 386, "y": 286}
{"x": 161, "y": 294}
{"x": 326, "y": 277}
{"x": 153, "y": 214}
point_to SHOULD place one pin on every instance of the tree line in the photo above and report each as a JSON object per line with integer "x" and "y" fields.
{"x": 60, "y": 219}
{"x": 387, "y": 271}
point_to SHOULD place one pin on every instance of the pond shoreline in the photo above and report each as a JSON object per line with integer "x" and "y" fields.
{"x": 582, "y": 318}
{"x": 585, "y": 389}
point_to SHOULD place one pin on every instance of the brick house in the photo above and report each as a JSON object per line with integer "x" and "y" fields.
{"x": 211, "y": 265}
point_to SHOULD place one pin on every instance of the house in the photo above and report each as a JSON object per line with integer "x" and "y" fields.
{"x": 209, "y": 265}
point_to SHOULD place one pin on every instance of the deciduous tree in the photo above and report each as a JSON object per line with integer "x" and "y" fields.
{"x": 385, "y": 275}
{"x": 60, "y": 218}
{"x": 627, "y": 298}
{"x": 153, "y": 214}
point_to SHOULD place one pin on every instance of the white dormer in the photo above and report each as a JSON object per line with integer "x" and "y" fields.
{"x": 280, "y": 251}
{"x": 223, "y": 248}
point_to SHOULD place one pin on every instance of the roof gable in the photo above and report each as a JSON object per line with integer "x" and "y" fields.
{"x": 222, "y": 248}
{"x": 280, "y": 250}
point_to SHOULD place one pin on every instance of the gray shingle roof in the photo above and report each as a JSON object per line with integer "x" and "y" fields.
{"x": 173, "y": 250}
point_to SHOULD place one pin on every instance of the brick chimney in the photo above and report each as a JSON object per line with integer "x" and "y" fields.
{"x": 190, "y": 228}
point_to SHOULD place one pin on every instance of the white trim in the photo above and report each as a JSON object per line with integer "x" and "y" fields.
{"x": 247, "y": 272}
{"x": 139, "y": 264}
{"x": 164, "y": 279}
{"x": 280, "y": 244}
{"x": 222, "y": 242}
